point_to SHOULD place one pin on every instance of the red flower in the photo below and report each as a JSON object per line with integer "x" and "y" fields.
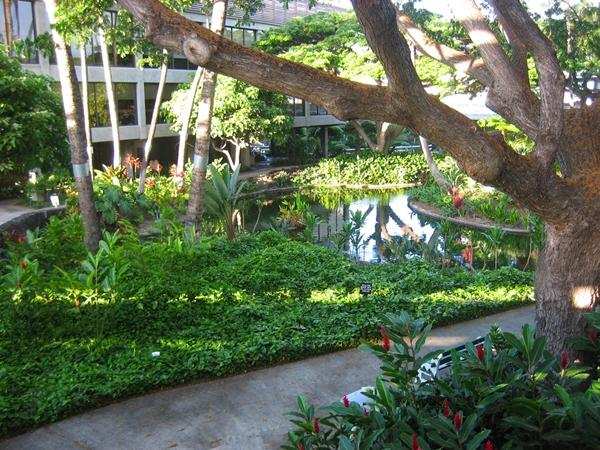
{"x": 592, "y": 335}
{"x": 446, "y": 408}
{"x": 458, "y": 419}
{"x": 345, "y": 401}
{"x": 316, "y": 425}
{"x": 300, "y": 446}
{"x": 383, "y": 331}
{"x": 488, "y": 445}
{"x": 564, "y": 360}
{"x": 415, "y": 442}
{"x": 480, "y": 352}
{"x": 386, "y": 344}
{"x": 467, "y": 254}
{"x": 23, "y": 263}
{"x": 457, "y": 197}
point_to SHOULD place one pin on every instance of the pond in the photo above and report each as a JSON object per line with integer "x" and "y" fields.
{"x": 377, "y": 227}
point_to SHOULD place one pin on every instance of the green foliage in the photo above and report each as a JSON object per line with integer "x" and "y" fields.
{"x": 223, "y": 197}
{"x": 519, "y": 142}
{"x": 509, "y": 392}
{"x": 212, "y": 307}
{"x": 365, "y": 168}
{"x": 32, "y": 125}
{"x": 242, "y": 113}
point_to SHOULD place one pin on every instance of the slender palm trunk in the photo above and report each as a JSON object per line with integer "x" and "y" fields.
{"x": 75, "y": 130}
{"x": 153, "y": 121}
{"x": 185, "y": 119}
{"x": 203, "y": 123}
{"x": 8, "y": 28}
{"x": 433, "y": 168}
{"x": 86, "y": 109}
{"x": 110, "y": 95}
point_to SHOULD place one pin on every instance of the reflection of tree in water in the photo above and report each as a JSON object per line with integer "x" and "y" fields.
{"x": 381, "y": 235}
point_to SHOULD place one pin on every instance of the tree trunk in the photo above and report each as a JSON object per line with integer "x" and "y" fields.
{"x": 567, "y": 281}
{"x": 363, "y": 134}
{"x": 203, "y": 123}
{"x": 86, "y": 109}
{"x": 153, "y": 122}
{"x": 110, "y": 95}
{"x": 8, "y": 28}
{"x": 75, "y": 130}
{"x": 185, "y": 120}
{"x": 433, "y": 168}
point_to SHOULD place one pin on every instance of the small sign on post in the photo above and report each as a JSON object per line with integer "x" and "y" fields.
{"x": 366, "y": 289}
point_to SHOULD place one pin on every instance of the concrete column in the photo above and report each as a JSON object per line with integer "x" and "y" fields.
{"x": 326, "y": 141}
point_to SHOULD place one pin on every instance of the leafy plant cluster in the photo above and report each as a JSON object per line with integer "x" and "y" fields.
{"x": 79, "y": 329}
{"x": 506, "y": 393}
{"x": 365, "y": 168}
{"x": 32, "y": 126}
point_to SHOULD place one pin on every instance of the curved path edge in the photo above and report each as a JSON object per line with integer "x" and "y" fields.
{"x": 477, "y": 223}
{"x": 241, "y": 412}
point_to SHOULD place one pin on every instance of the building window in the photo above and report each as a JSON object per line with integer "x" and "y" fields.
{"x": 23, "y": 24}
{"x": 296, "y": 106}
{"x": 180, "y": 62}
{"x": 243, "y": 36}
{"x": 125, "y": 98}
{"x": 150, "y": 90}
{"x": 317, "y": 110}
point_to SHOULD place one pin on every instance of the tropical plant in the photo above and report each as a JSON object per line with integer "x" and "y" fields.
{"x": 223, "y": 198}
{"x": 507, "y": 392}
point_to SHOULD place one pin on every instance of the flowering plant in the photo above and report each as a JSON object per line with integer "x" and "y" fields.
{"x": 507, "y": 393}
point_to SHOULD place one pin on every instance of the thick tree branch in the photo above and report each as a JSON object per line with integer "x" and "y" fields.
{"x": 344, "y": 98}
{"x": 525, "y": 118}
{"x": 552, "y": 80}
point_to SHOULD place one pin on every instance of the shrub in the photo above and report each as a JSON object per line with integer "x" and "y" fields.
{"x": 508, "y": 393}
{"x": 32, "y": 124}
{"x": 365, "y": 168}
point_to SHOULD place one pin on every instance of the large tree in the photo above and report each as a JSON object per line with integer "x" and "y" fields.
{"x": 565, "y": 197}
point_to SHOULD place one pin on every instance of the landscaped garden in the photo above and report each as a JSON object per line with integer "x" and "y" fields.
{"x": 157, "y": 271}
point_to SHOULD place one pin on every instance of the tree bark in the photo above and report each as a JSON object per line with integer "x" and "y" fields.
{"x": 75, "y": 130}
{"x": 8, "y": 27}
{"x": 567, "y": 280}
{"x": 86, "y": 109}
{"x": 195, "y": 206}
{"x": 433, "y": 168}
{"x": 185, "y": 119}
{"x": 110, "y": 95}
{"x": 153, "y": 121}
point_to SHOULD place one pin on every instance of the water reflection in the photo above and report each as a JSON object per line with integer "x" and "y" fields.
{"x": 390, "y": 230}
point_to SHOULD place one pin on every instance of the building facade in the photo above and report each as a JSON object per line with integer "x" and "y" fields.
{"x": 135, "y": 88}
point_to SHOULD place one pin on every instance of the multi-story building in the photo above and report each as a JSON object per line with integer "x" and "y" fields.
{"x": 135, "y": 88}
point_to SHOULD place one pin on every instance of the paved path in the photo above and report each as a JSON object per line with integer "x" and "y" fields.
{"x": 244, "y": 412}
{"x": 9, "y": 209}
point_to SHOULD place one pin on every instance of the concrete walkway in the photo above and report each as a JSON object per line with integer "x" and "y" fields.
{"x": 244, "y": 412}
{"x": 9, "y": 209}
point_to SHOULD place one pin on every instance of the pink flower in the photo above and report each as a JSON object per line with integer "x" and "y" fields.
{"x": 488, "y": 445}
{"x": 446, "y": 408}
{"x": 345, "y": 401}
{"x": 480, "y": 352}
{"x": 316, "y": 425}
{"x": 415, "y": 442}
{"x": 458, "y": 419}
{"x": 564, "y": 360}
{"x": 386, "y": 344}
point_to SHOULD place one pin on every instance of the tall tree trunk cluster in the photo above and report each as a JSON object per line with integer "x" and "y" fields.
{"x": 73, "y": 107}
{"x": 568, "y": 280}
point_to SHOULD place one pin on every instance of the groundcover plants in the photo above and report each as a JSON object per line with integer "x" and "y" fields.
{"x": 79, "y": 329}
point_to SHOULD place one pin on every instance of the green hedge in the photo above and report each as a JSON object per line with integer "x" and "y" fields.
{"x": 212, "y": 308}
{"x": 365, "y": 168}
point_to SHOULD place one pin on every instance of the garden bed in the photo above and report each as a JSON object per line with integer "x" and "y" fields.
{"x": 211, "y": 308}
